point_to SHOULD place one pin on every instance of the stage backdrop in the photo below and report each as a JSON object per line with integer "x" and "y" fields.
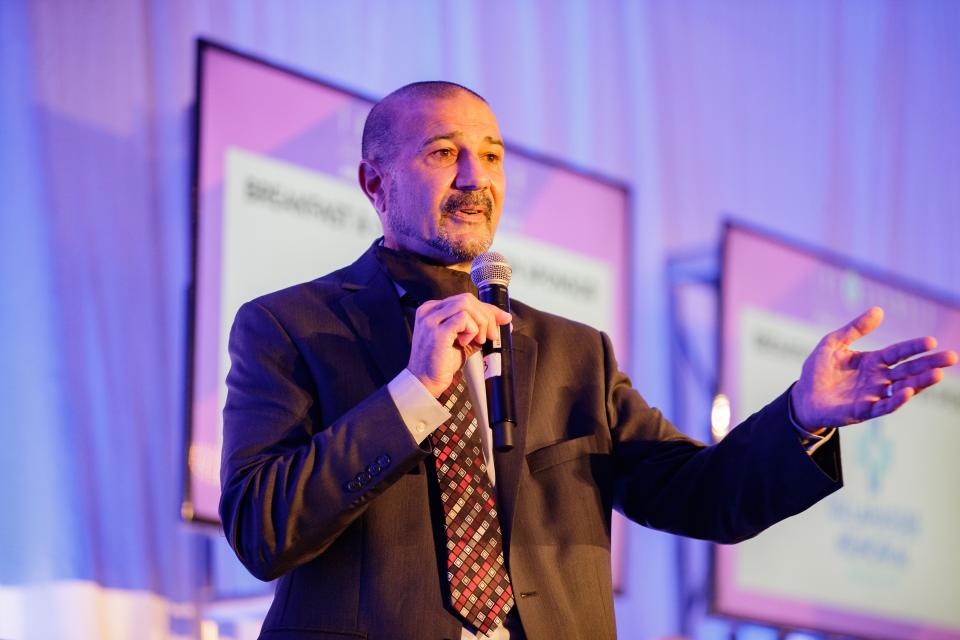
{"x": 832, "y": 122}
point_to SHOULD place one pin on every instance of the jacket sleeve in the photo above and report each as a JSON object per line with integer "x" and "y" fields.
{"x": 756, "y": 476}
{"x": 289, "y": 487}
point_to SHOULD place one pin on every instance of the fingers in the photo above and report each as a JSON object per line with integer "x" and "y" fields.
{"x": 446, "y": 332}
{"x": 858, "y": 327}
{"x": 463, "y": 318}
{"x": 916, "y": 374}
{"x": 907, "y": 349}
{"x": 918, "y": 382}
{"x": 462, "y": 327}
{"x": 909, "y": 379}
{"x": 889, "y": 405}
{"x": 924, "y": 363}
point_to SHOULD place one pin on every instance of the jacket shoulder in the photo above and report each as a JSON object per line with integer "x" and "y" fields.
{"x": 318, "y": 294}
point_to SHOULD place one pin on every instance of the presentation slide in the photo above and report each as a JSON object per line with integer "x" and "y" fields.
{"x": 277, "y": 203}
{"x": 878, "y": 559}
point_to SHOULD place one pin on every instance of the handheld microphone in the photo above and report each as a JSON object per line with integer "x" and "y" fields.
{"x": 491, "y": 273}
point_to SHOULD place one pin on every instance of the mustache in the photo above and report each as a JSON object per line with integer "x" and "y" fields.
{"x": 469, "y": 200}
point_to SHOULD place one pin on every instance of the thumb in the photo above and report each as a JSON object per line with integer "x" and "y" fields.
{"x": 860, "y": 326}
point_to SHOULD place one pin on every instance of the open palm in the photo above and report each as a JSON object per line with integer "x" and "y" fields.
{"x": 839, "y": 386}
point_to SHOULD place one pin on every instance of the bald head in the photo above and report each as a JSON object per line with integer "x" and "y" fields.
{"x": 378, "y": 142}
{"x": 432, "y": 167}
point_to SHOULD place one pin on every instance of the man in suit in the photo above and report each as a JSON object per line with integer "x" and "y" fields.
{"x": 333, "y": 471}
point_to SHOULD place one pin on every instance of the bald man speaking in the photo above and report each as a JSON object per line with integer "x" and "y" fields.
{"x": 357, "y": 459}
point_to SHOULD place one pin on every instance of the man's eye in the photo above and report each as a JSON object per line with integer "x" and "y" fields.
{"x": 492, "y": 157}
{"x": 442, "y": 153}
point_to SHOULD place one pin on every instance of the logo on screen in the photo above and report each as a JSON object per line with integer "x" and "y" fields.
{"x": 874, "y": 454}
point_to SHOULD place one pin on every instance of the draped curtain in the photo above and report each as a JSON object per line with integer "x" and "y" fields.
{"x": 837, "y": 123}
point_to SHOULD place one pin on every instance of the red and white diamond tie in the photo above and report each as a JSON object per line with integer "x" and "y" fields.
{"x": 479, "y": 585}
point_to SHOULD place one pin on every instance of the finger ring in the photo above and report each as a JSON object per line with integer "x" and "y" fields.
{"x": 889, "y": 392}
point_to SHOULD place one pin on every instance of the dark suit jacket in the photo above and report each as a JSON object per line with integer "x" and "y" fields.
{"x": 324, "y": 487}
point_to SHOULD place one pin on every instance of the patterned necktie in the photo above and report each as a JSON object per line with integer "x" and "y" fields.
{"x": 479, "y": 585}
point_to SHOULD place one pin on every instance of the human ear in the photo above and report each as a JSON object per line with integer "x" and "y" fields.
{"x": 371, "y": 181}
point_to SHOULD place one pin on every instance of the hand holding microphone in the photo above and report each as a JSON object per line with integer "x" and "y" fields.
{"x": 447, "y": 332}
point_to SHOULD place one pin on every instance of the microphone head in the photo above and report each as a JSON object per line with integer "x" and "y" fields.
{"x": 490, "y": 268}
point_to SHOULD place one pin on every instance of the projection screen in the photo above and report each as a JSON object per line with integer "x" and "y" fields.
{"x": 277, "y": 202}
{"x": 879, "y": 558}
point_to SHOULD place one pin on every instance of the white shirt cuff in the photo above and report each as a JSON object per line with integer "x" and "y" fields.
{"x": 811, "y": 442}
{"x": 420, "y": 411}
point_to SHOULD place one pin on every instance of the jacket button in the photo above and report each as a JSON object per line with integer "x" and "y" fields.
{"x": 352, "y": 486}
{"x": 383, "y": 461}
{"x": 373, "y": 469}
{"x": 363, "y": 478}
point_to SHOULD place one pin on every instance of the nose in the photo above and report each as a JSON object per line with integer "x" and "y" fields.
{"x": 471, "y": 173}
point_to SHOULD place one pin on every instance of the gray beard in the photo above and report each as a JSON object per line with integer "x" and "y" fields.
{"x": 462, "y": 251}
{"x": 450, "y": 249}
{"x": 447, "y": 248}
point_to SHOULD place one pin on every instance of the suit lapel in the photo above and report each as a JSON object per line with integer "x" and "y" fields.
{"x": 509, "y": 465}
{"x": 376, "y": 315}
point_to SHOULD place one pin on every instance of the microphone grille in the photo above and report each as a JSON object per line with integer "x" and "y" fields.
{"x": 490, "y": 268}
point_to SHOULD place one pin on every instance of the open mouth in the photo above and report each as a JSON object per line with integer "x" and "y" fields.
{"x": 468, "y": 215}
{"x": 469, "y": 206}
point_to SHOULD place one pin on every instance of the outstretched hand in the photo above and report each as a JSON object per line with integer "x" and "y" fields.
{"x": 839, "y": 386}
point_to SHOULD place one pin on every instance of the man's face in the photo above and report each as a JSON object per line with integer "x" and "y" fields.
{"x": 444, "y": 184}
